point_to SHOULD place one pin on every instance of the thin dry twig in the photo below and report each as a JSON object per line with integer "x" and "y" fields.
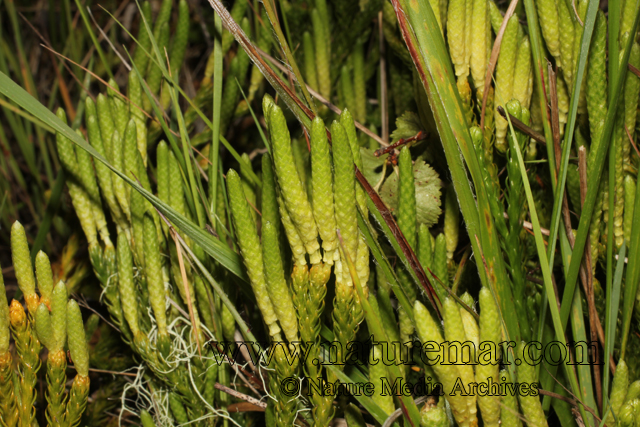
{"x": 402, "y": 141}
{"x": 521, "y": 126}
{"x": 633, "y": 144}
{"x": 112, "y": 20}
{"x": 529, "y": 226}
{"x": 575, "y": 11}
{"x": 569, "y": 401}
{"x": 83, "y": 303}
{"x": 104, "y": 371}
{"x": 104, "y": 36}
{"x": 240, "y": 396}
{"x": 64, "y": 90}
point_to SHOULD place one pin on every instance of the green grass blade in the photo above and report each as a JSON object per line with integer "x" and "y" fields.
{"x": 589, "y": 25}
{"x": 264, "y": 138}
{"x": 539, "y": 66}
{"x": 215, "y": 119}
{"x": 584, "y": 370}
{"x": 544, "y": 265}
{"x": 27, "y": 116}
{"x": 366, "y": 402}
{"x": 632, "y": 277}
{"x": 187, "y": 152}
{"x": 171, "y": 80}
{"x": 611, "y": 318}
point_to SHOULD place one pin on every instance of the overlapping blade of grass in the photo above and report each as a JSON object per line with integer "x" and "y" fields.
{"x": 426, "y": 46}
{"x": 546, "y": 274}
{"x": 559, "y": 181}
{"x": 218, "y": 250}
{"x": 599, "y": 151}
{"x": 559, "y": 185}
{"x": 215, "y": 122}
{"x": 539, "y": 71}
{"x": 586, "y": 394}
{"x": 187, "y": 166}
{"x": 539, "y": 65}
{"x": 632, "y": 277}
{"x": 305, "y": 115}
{"x": 29, "y": 117}
{"x": 187, "y": 152}
{"x": 611, "y": 319}
{"x": 17, "y": 128}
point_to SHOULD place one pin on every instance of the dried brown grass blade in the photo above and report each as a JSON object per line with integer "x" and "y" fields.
{"x": 570, "y": 401}
{"x": 521, "y": 126}
{"x": 183, "y": 273}
{"x": 255, "y": 402}
{"x": 634, "y": 70}
{"x": 635, "y": 147}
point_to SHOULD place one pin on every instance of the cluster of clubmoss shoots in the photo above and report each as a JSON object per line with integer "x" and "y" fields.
{"x": 52, "y": 322}
{"x": 328, "y": 212}
{"x": 142, "y": 271}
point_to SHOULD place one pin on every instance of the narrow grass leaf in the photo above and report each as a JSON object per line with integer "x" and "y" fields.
{"x": 611, "y": 319}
